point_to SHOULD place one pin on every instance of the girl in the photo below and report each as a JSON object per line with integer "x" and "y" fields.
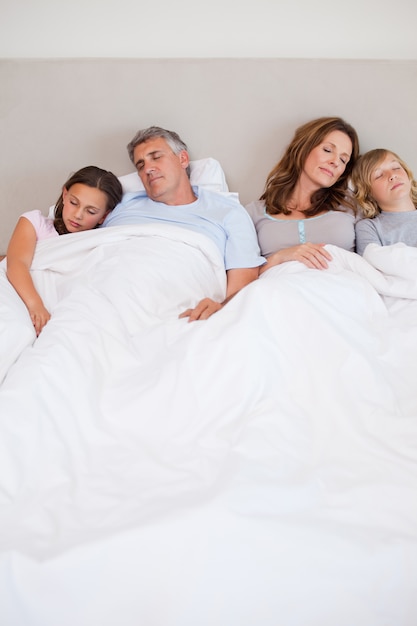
{"x": 86, "y": 198}
{"x": 306, "y": 201}
{"x": 386, "y": 192}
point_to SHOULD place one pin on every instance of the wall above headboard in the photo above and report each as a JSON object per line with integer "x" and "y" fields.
{"x": 59, "y": 115}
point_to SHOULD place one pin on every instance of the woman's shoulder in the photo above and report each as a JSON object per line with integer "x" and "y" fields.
{"x": 256, "y": 208}
{"x": 343, "y": 213}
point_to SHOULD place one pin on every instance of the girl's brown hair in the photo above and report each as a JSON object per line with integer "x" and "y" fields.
{"x": 96, "y": 178}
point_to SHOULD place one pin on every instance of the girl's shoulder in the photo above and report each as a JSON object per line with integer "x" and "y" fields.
{"x": 43, "y": 225}
{"x": 33, "y": 216}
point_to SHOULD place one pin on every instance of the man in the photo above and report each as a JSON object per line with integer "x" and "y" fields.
{"x": 162, "y": 162}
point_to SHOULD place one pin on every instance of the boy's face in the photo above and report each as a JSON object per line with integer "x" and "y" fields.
{"x": 389, "y": 183}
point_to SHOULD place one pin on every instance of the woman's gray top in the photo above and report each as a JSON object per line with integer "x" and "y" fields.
{"x": 334, "y": 227}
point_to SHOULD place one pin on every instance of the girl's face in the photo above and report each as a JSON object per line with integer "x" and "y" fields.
{"x": 389, "y": 184}
{"x": 326, "y": 162}
{"x": 84, "y": 207}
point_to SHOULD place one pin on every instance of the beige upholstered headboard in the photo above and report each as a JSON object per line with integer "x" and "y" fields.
{"x": 59, "y": 115}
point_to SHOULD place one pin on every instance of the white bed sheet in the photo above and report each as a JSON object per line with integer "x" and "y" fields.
{"x": 256, "y": 468}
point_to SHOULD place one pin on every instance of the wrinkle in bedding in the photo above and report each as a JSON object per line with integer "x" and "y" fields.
{"x": 275, "y": 442}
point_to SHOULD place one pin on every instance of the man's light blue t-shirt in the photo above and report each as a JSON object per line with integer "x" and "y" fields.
{"x": 222, "y": 218}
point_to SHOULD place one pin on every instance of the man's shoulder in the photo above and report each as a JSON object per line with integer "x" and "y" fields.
{"x": 136, "y": 196}
{"x": 133, "y": 200}
{"x": 218, "y": 198}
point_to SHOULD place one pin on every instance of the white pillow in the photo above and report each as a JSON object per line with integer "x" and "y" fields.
{"x": 207, "y": 173}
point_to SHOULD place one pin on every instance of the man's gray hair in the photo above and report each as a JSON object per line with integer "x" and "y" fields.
{"x": 173, "y": 139}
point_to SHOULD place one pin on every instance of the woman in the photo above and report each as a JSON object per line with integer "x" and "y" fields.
{"x": 86, "y": 198}
{"x": 306, "y": 202}
{"x": 386, "y": 192}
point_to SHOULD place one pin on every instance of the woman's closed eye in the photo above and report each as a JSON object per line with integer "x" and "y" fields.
{"x": 343, "y": 159}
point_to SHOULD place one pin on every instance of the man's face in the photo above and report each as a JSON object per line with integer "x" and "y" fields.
{"x": 162, "y": 172}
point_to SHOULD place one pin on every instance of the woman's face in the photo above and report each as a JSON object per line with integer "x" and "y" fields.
{"x": 84, "y": 207}
{"x": 326, "y": 162}
{"x": 389, "y": 183}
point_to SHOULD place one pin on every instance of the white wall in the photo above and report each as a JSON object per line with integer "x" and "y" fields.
{"x": 357, "y": 29}
{"x": 233, "y": 78}
{"x": 57, "y": 115}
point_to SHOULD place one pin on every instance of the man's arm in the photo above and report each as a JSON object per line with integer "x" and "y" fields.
{"x": 236, "y": 280}
{"x": 239, "y": 278}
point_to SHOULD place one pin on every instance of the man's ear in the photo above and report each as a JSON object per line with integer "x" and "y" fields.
{"x": 184, "y": 159}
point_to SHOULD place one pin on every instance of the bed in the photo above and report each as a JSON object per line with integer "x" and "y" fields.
{"x": 256, "y": 468}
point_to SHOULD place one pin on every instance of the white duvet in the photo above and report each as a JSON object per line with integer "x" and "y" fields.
{"x": 256, "y": 468}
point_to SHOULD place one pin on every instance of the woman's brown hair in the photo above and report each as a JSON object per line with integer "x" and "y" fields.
{"x": 282, "y": 180}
